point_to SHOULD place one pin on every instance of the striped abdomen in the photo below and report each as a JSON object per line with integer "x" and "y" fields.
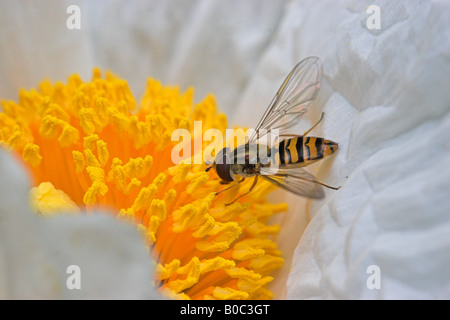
{"x": 302, "y": 151}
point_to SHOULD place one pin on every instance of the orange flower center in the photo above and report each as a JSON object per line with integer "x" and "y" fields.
{"x": 85, "y": 147}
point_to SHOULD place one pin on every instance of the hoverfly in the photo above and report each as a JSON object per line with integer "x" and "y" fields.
{"x": 284, "y": 161}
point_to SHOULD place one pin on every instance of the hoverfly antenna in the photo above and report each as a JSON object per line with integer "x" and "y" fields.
{"x": 209, "y": 168}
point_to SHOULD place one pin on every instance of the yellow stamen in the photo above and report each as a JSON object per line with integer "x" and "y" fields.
{"x": 79, "y": 161}
{"x": 31, "y": 154}
{"x": 86, "y": 147}
{"x": 48, "y": 201}
{"x": 229, "y": 294}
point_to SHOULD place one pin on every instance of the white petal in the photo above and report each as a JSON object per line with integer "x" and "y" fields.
{"x": 386, "y": 102}
{"x": 35, "y": 252}
{"x": 36, "y": 44}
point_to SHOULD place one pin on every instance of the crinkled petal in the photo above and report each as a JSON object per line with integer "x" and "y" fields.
{"x": 386, "y": 102}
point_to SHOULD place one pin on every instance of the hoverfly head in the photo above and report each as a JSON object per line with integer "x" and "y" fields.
{"x": 222, "y": 165}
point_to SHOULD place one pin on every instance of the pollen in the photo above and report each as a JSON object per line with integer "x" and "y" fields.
{"x": 46, "y": 200}
{"x": 90, "y": 144}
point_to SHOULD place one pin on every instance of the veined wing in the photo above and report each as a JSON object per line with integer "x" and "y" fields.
{"x": 293, "y": 98}
{"x": 250, "y": 154}
{"x": 298, "y": 181}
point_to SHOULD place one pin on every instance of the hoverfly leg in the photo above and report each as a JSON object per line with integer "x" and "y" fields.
{"x": 315, "y": 125}
{"x": 249, "y": 190}
{"x": 232, "y": 186}
{"x": 323, "y": 184}
{"x": 328, "y": 186}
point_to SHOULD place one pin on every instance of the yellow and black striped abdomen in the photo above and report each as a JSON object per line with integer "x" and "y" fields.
{"x": 302, "y": 151}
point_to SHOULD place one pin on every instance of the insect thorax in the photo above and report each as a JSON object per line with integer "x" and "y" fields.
{"x": 249, "y": 158}
{"x": 246, "y": 170}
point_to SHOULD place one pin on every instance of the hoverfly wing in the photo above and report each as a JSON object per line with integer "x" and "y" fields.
{"x": 293, "y": 98}
{"x": 250, "y": 154}
{"x": 298, "y": 181}
{"x": 239, "y": 154}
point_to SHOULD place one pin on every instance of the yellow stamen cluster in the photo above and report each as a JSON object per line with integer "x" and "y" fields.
{"x": 86, "y": 147}
{"x": 46, "y": 200}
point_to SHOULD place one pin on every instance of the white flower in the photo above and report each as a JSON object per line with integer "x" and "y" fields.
{"x": 386, "y": 102}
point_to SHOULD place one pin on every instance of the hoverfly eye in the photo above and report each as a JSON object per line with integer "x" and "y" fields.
{"x": 222, "y": 157}
{"x": 225, "y": 159}
{"x": 223, "y": 171}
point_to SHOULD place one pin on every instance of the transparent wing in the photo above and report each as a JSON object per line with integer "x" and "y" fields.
{"x": 293, "y": 98}
{"x": 250, "y": 154}
{"x": 298, "y": 181}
